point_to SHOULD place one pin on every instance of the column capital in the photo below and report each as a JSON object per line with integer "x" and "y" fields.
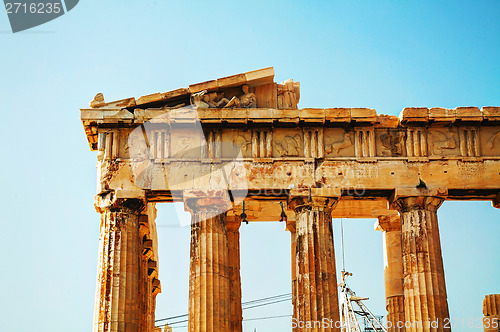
{"x": 388, "y": 223}
{"x": 428, "y": 203}
{"x": 134, "y": 200}
{"x": 217, "y": 201}
{"x": 297, "y": 203}
{"x": 496, "y": 201}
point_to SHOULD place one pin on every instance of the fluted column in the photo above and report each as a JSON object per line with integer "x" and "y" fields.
{"x": 119, "y": 303}
{"x": 316, "y": 298}
{"x": 209, "y": 286}
{"x": 393, "y": 271}
{"x": 425, "y": 300}
{"x": 148, "y": 275}
{"x": 491, "y": 311}
{"x": 233, "y": 240}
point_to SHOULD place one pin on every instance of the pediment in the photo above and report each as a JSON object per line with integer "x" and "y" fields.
{"x": 226, "y": 92}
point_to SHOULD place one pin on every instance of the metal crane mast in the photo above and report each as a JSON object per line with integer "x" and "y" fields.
{"x": 352, "y": 308}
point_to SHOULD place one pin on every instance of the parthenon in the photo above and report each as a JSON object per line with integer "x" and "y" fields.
{"x": 238, "y": 149}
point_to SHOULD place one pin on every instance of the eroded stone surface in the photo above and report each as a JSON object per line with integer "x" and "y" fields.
{"x": 315, "y": 281}
{"x": 126, "y": 286}
{"x": 209, "y": 282}
{"x": 393, "y": 270}
{"x": 424, "y": 286}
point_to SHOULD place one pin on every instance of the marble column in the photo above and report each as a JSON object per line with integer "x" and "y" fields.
{"x": 209, "y": 285}
{"x": 233, "y": 240}
{"x": 491, "y": 311}
{"x": 393, "y": 271}
{"x": 316, "y": 296}
{"x": 425, "y": 300}
{"x": 148, "y": 274}
{"x": 119, "y": 302}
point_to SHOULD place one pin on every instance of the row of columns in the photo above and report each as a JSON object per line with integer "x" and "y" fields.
{"x": 414, "y": 274}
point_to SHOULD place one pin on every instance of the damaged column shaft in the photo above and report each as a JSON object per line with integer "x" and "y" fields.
{"x": 424, "y": 283}
{"x": 118, "y": 296}
{"x": 316, "y": 296}
{"x": 393, "y": 271}
{"x": 209, "y": 286}
{"x": 233, "y": 239}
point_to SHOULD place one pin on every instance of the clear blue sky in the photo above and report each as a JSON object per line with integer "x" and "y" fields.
{"x": 380, "y": 54}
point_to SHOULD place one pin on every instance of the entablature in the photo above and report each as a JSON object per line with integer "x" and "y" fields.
{"x": 255, "y": 144}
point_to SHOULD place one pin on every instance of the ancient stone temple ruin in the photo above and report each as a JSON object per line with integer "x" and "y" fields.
{"x": 238, "y": 149}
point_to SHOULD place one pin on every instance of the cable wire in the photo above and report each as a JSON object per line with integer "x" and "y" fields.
{"x": 245, "y": 320}
{"x": 245, "y": 305}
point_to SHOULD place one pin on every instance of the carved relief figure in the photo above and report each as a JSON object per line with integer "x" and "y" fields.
{"x": 219, "y": 100}
{"x": 242, "y": 144}
{"x": 185, "y": 144}
{"x": 203, "y": 99}
{"x": 342, "y": 144}
{"x": 491, "y": 142}
{"x": 289, "y": 146}
{"x": 136, "y": 146}
{"x": 392, "y": 144}
{"x": 288, "y": 94}
{"x": 199, "y": 99}
{"x": 214, "y": 102}
{"x": 441, "y": 142}
{"x": 247, "y": 100}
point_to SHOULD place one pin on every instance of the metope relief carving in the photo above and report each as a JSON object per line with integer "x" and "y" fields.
{"x": 186, "y": 144}
{"x": 390, "y": 143}
{"x": 493, "y": 141}
{"x": 287, "y": 143}
{"x": 236, "y": 144}
{"x": 339, "y": 142}
{"x": 443, "y": 142}
{"x": 136, "y": 147}
{"x": 489, "y": 139}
